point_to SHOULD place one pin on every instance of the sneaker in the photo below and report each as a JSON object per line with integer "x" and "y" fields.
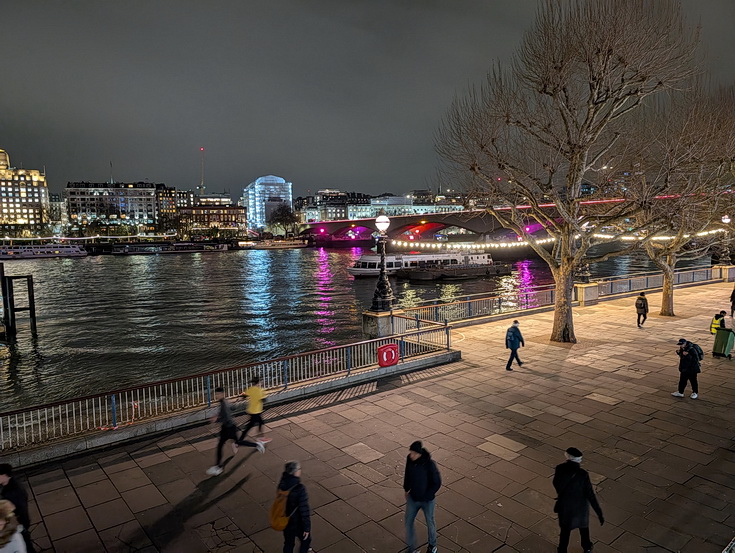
{"x": 265, "y": 440}
{"x": 520, "y": 363}
{"x": 694, "y": 396}
{"x": 234, "y": 449}
{"x": 677, "y": 394}
{"x": 508, "y": 369}
{"x": 214, "y": 471}
{"x": 431, "y": 549}
{"x": 260, "y": 446}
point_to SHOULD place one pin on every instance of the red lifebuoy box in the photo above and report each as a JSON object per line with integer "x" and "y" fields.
{"x": 388, "y": 355}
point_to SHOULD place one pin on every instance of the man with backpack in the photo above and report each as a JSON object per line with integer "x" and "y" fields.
{"x": 641, "y": 308}
{"x": 292, "y": 503}
{"x": 514, "y": 340}
{"x": 690, "y": 356}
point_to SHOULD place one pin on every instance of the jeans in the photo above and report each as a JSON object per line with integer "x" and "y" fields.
{"x": 289, "y": 540}
{"x": 565, "y": 533}
{"x": 255, "y": 419}
{"x": 412, "y": 509}
{"x": 692, "y": 378}
{"x": 640, "y": 322}
{"x": 513, "y": 355}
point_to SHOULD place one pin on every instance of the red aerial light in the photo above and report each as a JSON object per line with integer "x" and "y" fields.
{"x": 201, "y": 149}
{"x": 499, "y": 179}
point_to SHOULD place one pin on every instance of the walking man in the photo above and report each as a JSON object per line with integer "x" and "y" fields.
{"x": 256, "y": 395}
{"x": 420, "y": 482}
{"x": 688, "y": 368}
{"x": 641, "y": 308}
{"x": 14, "y": 492}
{"x": 574, "y": 496}
{"x": 514, "y": 340}
{"x": 297, "y": 507}
{"x": 228, "y": 431}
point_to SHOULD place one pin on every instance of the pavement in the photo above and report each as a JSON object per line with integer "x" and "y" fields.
{"x": 663, "y": 468}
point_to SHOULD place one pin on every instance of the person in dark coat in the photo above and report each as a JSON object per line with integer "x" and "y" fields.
{"x": 688, "y": 368}
{"x": 421, "y": 481}
{"x": 574, "y": 496}
{"x": 297, "y": 506}
{"x": 732, "y": 303}
{"x": 12, "y": 491}
{"x": 514, "y": 340}
{"x": 641, "y": 308}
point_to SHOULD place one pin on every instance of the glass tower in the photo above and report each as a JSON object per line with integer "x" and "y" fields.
{"x": 263, "y": 196}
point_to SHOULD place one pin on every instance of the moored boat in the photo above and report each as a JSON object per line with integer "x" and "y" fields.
{"x": 156, "y": 248}
{"x": 454, "y": 272}
{"x": 41, "y": 251}
{"x": 279, "y": 244}
{"x": 369, "y": 264}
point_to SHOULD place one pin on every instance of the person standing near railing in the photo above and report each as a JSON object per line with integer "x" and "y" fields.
{"x": 513, "y": 341}
{"x": 228, "y": 431}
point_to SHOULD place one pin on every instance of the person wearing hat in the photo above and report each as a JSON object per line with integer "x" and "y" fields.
{"x": 688, "y": 368}
{"x": 514, "y": 340}
{"x": 421, "y": 481}
{"x": 574, "y": 496}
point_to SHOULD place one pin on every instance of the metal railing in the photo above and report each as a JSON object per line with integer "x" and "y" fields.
{"x": 472, "y": 307}
{"x": 120, "y": 408}
{"x": 631, "y": 283}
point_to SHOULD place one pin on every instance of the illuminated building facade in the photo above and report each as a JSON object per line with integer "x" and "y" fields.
{"x": 263, "y": 196}
{"x": 24, "y": 200}
{"x": 114, "y": 203}
{"x": 222, "y": 217}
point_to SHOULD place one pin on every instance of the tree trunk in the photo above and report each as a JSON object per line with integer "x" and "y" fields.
{"x": 563, "y": 330}
{"x": 667, "y": 296}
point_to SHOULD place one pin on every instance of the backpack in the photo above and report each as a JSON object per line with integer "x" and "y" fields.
{"x": 639, "y": 304}
{"x": 277, "y": 514}
{"x": 700, "y": 353}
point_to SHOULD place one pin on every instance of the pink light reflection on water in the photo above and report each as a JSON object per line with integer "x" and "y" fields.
{"x": 525, "y": 280}
{"x": 324, "y": 286}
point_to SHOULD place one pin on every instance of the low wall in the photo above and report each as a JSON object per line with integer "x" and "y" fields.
{"x": 74, "y": 446}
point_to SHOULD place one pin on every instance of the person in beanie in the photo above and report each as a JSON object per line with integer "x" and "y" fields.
{"x": 421, "y": 481}
{"x": 12, "y": 491}
{"x": 641, "y": 308}
{"x": 688, "y": 368}
{"x": 299, "y": 523}
{"x": 514, "y": 340}
{"x": 574, "y": 496}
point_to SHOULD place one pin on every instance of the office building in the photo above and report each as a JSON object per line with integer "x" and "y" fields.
{"x": 117, "y": 203}
{"x": 263, "y": 196}
{"x": 24, "y": 200}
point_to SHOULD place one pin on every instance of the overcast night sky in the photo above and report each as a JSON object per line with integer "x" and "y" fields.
{"x": 325, "y": 93}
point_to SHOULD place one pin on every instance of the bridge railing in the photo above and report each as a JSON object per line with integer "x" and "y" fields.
{"x": 472, "y": 307}
{"x": 645, "y": 281}
{"x": 120, "y": 408}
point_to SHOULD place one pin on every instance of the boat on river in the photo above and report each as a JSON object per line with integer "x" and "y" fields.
{"x": 278, "y": 244}
{"x": 369, "y": 264}
{"x": 157, "y": 248}
{"x": 41, "y": 251}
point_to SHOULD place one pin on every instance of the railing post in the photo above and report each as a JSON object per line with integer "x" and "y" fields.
{"x": 209, "y": 390}
{"x": 500, "y": 304}
{"x": 349, "y": 359}
{"x": 284, "y": 370}
{"x": 114, "y": 411}
{"x": 469, "y": 307}
{"x": 446, "y": 329}
{"x": 392, "y": 323}
{"x": 418, "y": 324}
{"x": 400, "y": 348}
{"x": 436, "y": 313}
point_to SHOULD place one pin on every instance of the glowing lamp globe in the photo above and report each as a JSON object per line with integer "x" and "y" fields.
{"x": 382, "y": 222}
{"x": 726, "y": 219}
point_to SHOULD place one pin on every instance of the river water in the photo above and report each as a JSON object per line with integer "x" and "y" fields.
{"x": 110, "y": 322}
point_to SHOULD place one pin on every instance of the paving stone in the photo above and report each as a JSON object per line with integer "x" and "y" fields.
{"x": 57, "y": 500}
{"x": 82, "y": 542}
{"x": 65, "y": 523}
{"x": 342, "y": 515}
{"x": 107, "y": 515}
{"x": 143, "y": 498}
{"x": 97, "y": 492}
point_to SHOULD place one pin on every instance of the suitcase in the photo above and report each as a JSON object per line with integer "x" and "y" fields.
{"x": 724, "y": 340}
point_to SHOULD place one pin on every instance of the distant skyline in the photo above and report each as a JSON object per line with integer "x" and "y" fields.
{"x": 326, "y": 93}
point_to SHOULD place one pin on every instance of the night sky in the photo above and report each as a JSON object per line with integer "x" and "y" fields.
{"x": 325, "y": 93}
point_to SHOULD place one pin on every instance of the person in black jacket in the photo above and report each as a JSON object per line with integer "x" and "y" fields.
{"x": 688, "y": 368}
{"x": 13, "y": 492}
{"x": 297, "y": 507}
{"x": 514, "y": 340}
{"x": 641, "y": 308}
{"x": 420, "y": 482}
{"x": 574, "y": 496}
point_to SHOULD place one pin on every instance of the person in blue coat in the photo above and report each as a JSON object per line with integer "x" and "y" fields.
{"x": 514, "y": 340}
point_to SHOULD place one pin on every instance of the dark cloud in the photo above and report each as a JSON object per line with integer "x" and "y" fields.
{"x": 325, "y": 93}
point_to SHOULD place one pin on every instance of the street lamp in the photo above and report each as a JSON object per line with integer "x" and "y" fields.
{"x": 725, "y": 254}
{"x": 383, "y": 298}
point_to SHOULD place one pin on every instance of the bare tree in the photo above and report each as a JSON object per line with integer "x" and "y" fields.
{"x": 541, "y": 127}
{"x": 681, "y": 177}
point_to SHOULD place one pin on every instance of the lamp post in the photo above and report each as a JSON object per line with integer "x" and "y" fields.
{"x": 383, "y": 298}
{"x": 725, "y": 255}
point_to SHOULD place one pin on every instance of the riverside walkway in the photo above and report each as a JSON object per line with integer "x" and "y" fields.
{"x": 663, "y": 468}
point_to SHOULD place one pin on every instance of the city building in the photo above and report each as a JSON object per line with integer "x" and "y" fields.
{"x": 184, "y": 198}
{"x": 58, "y": 216}
{"x": 116, "y": 203}
{"x": 230, "y": 218}
{"x": 166, "y": 208}
{"x": 263, "y": 196}
{"x": 213, "y": 199}
{"x": 24, "y": 200}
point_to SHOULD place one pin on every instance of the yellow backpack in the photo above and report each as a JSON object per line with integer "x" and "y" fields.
{"x": 277, "y": 514}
